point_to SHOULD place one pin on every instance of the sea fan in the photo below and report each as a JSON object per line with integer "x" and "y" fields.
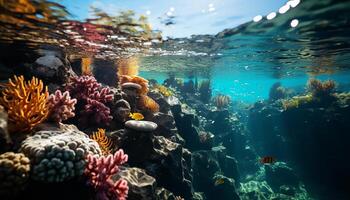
{"x": 103, "y": 141}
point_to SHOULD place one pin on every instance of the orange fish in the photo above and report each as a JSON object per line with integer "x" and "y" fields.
{"x": 136, "y": 116}
{"x": 267, "y": 160}
{"x": 219, "y": 181}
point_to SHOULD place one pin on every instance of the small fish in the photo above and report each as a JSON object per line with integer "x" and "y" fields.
{"x": 136, "y": 116}
{"x": 267, "y": 160}
{"x": 219, "y": 181}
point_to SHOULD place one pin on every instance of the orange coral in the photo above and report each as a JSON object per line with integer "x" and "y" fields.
{"x": 147, "y": 103}
{"x": 128, "y": 66}
{"x": 86, "y": 66}
{"x": 103, "y": 141}
{"x": 136, "y": 79}
{"x": 25, "y": 102}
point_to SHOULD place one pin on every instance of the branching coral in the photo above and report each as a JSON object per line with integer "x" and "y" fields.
{"x": 321, "y": 89}
{"x": 92, "y": 99}
{"x": 14, "y": 172}
{"x": 103, "y": 141}
{"x": 147, "y": 103}
{"x": 96, "y": 111}
{"x": 26, "y": 103}
{"x": 99, "y": 172}
{"x": 136, "y": 79}
{"x": 61, "y": 106}
{"x": 222, "y": 101}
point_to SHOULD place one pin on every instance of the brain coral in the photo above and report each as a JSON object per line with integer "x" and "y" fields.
{"x": 59, "y": 155}
{"x": 14, "y": 172}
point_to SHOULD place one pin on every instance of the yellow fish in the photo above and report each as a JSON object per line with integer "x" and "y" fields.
{"x": 219, "y": 181}
{"x": 136, "y": 116}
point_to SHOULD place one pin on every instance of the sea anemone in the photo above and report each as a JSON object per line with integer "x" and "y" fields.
{"x": 103, "y": 141}
{"x": 25, "y": 102}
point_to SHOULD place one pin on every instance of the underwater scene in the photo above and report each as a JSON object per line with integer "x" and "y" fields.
{"x": 175, "y": 100}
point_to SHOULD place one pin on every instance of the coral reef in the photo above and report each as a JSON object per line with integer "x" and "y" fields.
{"x": 163, "y": 90}
{"x": 25, "y": 102}
{"x": 222, "y": 101}
{"x": 82, "y": 87}
{"x": 61, "y": 106}
{"x": 277, "y": 92}
{"x": 58, "y": 155}
{"x": 86, "y": 66}
{"x": 204, "y": 91}
{"x": 136, "y": 79}
{"x": 14, "y": 173}
{"x": 95, "y": 112}
{"x": 100, "y": 170}
{"x": 128, "y": 66}
{"x": 102, "y": 140}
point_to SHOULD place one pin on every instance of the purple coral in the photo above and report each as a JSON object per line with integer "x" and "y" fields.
{"x": 96, "y": 110}
{"x": 61, "y": 106}
{"x": 99, "y": 171}
{"x": 92, "y": 98}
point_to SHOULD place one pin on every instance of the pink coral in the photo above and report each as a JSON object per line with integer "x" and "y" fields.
{"x": 97, "y": 111}
{"x": 82, "y": 87}
{"x": 104, "y": 95}
{"x": 61, "y": 106}
{"x": 99, "y": 170}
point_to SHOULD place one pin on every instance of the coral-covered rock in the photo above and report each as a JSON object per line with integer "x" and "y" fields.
{"x": 255, "y": 190}
{"x": 61, "y": 106}
{"x": 141, "y": 185}
{"x": 57, "y": 156}
{"x": 280, "y": 174}
{"x": 14, "y": 173}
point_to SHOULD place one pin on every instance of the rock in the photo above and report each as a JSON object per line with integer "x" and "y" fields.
{"x": 255, "y": 190}
{"x": 4, "y": 135}
{"x": 280, "y": 174}
{"x": 121, "y": 110}
{"x": 227, "y": 189}
{"x": 142, "y": 126}
{"x": 131, "y": 86}
{"x": 141, "y": 185}
{"x": 58, "y": 155}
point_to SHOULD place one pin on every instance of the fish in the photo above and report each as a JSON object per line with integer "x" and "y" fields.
{"x": 219, "y": 181}
{"x": 136, "y": 116}
{"x": 267, "y": 160}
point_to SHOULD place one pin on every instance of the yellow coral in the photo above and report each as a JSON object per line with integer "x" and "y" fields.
{"x": 147, "y": 103}
{"x": 103, "y": 141}
{"x": 25, "y": 102}
{"x": 86, "y": 66}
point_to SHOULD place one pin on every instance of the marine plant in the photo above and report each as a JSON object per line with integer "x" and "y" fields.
{"x": 321, "y": 89}
{"x": 103, "y": 141}
{"x": 25, "y": 102}
{"x": 296, "y": 101}
{"x": 61, "y": 106}
{"x": 222, "y": 101}
{"x": 204, "y": 91}
{"x": 147, "y": 103}
{"x": 100, "y": 170}
{"x": 277, "y": 92}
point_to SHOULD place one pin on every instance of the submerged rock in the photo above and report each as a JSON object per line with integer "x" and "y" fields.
{"x": 141, "y": 185}
{"x": 280, "y": 174}
{"x": 4, "y": 135}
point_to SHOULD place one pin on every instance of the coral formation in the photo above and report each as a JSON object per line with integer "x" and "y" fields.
{"x": 100, "y": 170}
{"x": 321, "y": 89}
{"x": 57, "y": 156}
{"x": 61, "y": 106}
{"x": 128, "y": 66}
{"x": 147, "y": 103}
{"x": 102, "y": 140}
{"x": 136, "y": 79}
{"x": 14, "y": 173}
{"x": 86, "y": 66}
{"x": 25, "y": 102}
{"x": 222, "y": 101}
{"x": 296, "y": 101}
{"x": 92, "y": 99}
{"x": 163, "y": 90}
{"x": 96, "y": 113}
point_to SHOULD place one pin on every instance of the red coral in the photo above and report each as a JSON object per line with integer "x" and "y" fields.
{"x": 82, "y": 87}
{"x": 99, "y": 170}
{"x": 104, "y": 96}
{"x": 61, "y": 106}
